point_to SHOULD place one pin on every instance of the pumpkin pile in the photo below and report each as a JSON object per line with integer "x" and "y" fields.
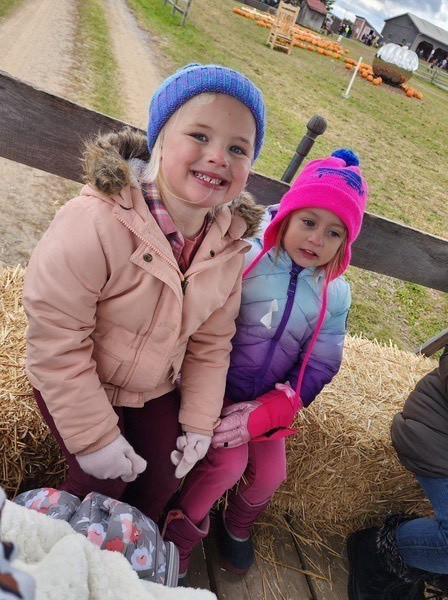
{"x": 367, "y": 73}
{"x": 411, "y": 92}
{"x": 306, "y": 40}
{"x": 303, "y": 38}
{"x": 364, "y": 70}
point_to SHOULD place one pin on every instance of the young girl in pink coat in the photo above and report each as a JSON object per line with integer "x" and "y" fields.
{"x": 138, "y": 280}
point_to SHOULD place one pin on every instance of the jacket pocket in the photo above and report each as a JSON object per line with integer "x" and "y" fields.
{"x": 107, "y": 365}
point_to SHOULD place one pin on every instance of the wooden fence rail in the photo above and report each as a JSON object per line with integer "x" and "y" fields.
{"x": 435, "y": 75}
{"x": 47, "y": 132}
{"x": 182, "y": 6}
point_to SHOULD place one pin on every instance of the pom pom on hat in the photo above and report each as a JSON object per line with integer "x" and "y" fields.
{"x": 195, "y": 79}
{"x": 350, "y": 158}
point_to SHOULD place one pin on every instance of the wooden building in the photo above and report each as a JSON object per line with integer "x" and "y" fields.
{"x": 312, "y": 14}
{"x": 421, "y": 36}
{"x": 361, "y": 26}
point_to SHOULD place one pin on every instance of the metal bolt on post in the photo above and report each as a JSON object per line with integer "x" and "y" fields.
{"x": 315, "y": 126}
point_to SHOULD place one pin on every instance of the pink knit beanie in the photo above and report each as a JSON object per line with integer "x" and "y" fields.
{"x": 335, "y": 184}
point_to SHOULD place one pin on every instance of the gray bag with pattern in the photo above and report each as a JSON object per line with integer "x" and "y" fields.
{"x": 112, "y": 525}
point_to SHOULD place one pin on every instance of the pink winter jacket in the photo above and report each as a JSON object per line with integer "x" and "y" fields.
{"x": 109, "y": 322}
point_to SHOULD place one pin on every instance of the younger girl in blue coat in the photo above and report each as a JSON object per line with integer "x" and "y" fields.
{"x": 288, "y": 345}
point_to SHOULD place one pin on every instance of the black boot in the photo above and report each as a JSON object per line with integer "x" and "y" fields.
{"x": 377, "y": 571}
{"x": 234, "y": 532}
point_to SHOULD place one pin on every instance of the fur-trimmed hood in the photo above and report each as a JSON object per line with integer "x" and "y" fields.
{"x": 108, "y": 166}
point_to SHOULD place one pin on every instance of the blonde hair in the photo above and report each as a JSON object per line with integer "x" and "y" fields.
{"x": 332, "y": 269}
{"x": 153, "y": 169}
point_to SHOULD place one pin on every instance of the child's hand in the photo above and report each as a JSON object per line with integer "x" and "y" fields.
{"x": 116, "y": 460}
{"x": 233, "y": 429}
{"x": 191, "y": 447}
{"x": 244, "y": 421}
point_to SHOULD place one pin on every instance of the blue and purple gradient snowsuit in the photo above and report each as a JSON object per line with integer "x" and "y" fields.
{"x": 262, "y": 356}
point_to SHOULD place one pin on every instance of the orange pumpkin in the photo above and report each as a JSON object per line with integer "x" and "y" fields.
{"x": 348, "y": 66}
{"x": 369, "y": 78}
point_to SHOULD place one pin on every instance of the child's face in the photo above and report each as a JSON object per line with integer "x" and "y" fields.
{"x": 313, "y": 236}
{"x": 207, "y": 151}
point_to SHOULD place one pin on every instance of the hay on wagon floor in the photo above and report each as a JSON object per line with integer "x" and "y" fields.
{"x": 343, "y": 472}
{"x": 29, "y": 454}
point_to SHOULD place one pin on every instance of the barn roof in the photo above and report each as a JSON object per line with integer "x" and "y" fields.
{"x": 426, "y": 28}
{"x": 317, "y": 5}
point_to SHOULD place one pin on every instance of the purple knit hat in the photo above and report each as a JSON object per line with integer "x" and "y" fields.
{"x": 335, "y": 184}
{"x": 194, "y": 79}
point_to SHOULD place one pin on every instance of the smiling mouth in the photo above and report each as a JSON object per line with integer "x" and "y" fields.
{"x": 215, "y": 181}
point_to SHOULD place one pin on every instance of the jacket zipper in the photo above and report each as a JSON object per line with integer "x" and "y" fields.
{"x": 185, "y": 280}
{"x": 183, "y": 284}
{"x": 294, "y": 273}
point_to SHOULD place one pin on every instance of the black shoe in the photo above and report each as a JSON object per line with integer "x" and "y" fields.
{"x": 376, "y": 569}
{"x": 238, "y": 554}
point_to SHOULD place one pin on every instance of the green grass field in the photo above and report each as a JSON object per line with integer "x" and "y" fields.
{"x": 401, "y": 141}
{"x": 7, "y": 7}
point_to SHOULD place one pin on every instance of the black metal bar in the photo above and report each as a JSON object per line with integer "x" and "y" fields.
{"x": 315, "y": 126}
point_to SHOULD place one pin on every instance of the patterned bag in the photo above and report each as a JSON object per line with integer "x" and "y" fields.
{"x": 112, "y": 525}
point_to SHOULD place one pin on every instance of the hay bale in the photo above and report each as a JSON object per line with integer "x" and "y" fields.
{"x": 29, "y": 454}
{"x": 343, "y": 472}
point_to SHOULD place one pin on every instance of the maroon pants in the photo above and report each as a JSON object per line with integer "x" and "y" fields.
{"x": 152, "y": 431}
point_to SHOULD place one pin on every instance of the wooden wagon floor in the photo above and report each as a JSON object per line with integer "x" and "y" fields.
{"x": 286, "y": 568}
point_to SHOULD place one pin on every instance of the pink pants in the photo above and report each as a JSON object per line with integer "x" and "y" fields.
{"x": 263, "y": 465}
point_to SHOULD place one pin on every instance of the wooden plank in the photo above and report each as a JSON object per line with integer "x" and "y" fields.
{"x": 264, "y": 580}
{"x": 47, "y": 132}
{"x": 434, "y": 344}
{"x": 331, "y": 565}
{"x": 197, "y": 570}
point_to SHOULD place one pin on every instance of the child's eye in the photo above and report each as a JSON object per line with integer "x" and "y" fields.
{"x": 237, "y": 150}
{"x": 335, "y": 234}
{"x": 199, "y": 136}
{"x": 308, "y": 222}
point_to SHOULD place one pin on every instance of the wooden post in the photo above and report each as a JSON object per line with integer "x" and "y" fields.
{"x": 434, "y": 344}
{"x": 347, "y": 91}
{"x": 176, "y": 7}
{"x": 315, "y": 126}
{"x": 434, "y": 75}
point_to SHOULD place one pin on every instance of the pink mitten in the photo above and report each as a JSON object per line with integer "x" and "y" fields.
{"x": 233, "y": 430}
{"x": 191, "y": 447}
{"x": 266, "y": 418}
{"x": 116, "y": 460}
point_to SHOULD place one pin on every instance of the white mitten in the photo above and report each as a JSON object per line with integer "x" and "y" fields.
{"x": 116, "y": 460}
{"x": 191, "y": 447}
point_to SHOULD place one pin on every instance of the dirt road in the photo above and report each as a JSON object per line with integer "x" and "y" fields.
{"x": 37, "y": 45}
